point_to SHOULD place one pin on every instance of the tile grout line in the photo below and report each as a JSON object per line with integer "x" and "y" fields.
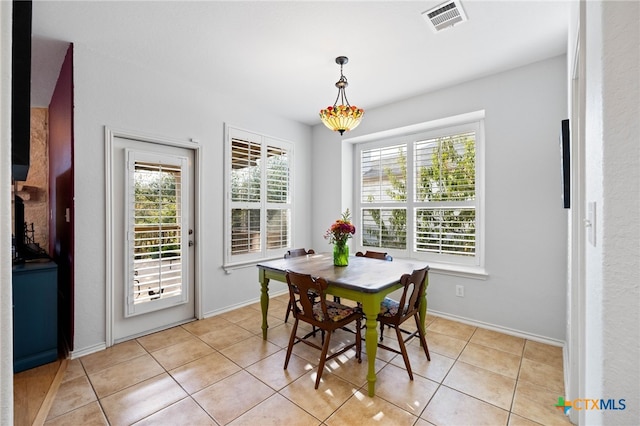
{"x": 189, "y": 395}
{"x": 440, "y": 384}
{"x": 515, "y": 388}
{"x": 457, "y": 359}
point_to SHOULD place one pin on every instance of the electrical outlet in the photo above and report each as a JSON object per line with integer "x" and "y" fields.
{"x": 460, "y": 290}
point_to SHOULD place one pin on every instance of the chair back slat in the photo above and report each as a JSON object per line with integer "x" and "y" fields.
{"x": 308, "y": 289}
{"x": 298, "y": 252}
{"x": 375, "y": 255}
{"x": 413, "y": 284}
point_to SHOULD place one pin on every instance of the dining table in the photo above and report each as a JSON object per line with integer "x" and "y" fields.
{"x": 364, "y": 280}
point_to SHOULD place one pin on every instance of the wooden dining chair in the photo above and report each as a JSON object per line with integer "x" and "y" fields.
{"x": 298, "y": 252}
{"x": 323, "y": 314}
{"x": 375, "y": 255}
{"x": 395, "y": 313}
{"x": 295, "y": 253}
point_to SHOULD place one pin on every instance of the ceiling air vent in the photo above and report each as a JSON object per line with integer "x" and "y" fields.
{"x": 444, "y": 16}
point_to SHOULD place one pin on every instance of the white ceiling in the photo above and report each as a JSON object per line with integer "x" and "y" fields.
{"x": 281, "y": 55}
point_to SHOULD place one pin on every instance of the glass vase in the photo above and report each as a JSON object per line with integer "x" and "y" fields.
{"x": 340, "y": 254}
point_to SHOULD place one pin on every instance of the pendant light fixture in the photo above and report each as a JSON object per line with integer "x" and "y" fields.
{"x": 343, "y": 117}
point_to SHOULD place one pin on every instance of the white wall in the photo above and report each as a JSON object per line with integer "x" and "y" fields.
{"x": 612, "y": 135}
{"x": 110, "y": 92}
{"x": 526, "y": 226}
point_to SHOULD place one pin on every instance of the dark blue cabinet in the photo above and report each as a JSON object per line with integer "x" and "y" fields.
{"x": 35, "y": 314}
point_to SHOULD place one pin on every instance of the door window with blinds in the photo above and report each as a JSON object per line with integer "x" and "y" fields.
{"x": 420, "y": 194}
{"x": 157, "y": 236}
{"x": 258, "y": 209}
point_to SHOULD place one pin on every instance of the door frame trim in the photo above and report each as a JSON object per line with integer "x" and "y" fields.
{"x": 109, "y": 135}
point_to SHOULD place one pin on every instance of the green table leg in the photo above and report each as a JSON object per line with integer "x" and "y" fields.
{"x": 371, "y": 308}
{"x": 264, "y": 302}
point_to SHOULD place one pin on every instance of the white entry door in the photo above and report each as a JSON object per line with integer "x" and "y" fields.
{"x": 153, "y": 236}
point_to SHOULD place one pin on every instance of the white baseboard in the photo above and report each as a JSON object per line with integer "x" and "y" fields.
{"x": 241, "y": 305}
{"x": 102, "y": 345}
{"x": 88, "y": 350}
{"x": 512, "y": 332}
{"x": 499, "y": 328}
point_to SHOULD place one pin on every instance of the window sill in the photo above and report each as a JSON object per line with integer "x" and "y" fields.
{"x": 474, "y": 272}
{"x": 230, "y": 267}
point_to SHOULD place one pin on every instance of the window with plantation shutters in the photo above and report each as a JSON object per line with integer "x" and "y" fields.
{"x": 258, "y": 208}
{"x": 419, "y": 194}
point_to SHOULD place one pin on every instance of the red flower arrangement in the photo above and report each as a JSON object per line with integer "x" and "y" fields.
{"x": 341, "y": 230}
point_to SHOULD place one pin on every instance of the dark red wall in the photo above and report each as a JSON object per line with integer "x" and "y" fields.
{"x": 61, "y": 195}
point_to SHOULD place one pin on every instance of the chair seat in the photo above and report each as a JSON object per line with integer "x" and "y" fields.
{"x": 389, "y": 307}
{"x": 336, "y": 311}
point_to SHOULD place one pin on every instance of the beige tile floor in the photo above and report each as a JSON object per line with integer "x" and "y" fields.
{"x": 219, "y": 371}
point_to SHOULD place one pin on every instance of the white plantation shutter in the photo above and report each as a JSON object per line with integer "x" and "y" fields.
{"x": 156, "y": 228}
{"x": 418, "y": 194}
{"x": 245, "y": 236}
{"x": 384, "y": 176}
{"x": 446, "y": 231}
{"x": 245, "y": 171}
{"x": 246, "y": 187}
{"x": 278, "y": 228}
{"x": 277, "y": 175}
{"x": 379, "y": 166}
{"x": 384, "y": 227}
{"x": 445, "y": 154}
{"x": 259, "y": 196}
{"x": 445, "y": 194}
{"x": 278, "y": 198}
